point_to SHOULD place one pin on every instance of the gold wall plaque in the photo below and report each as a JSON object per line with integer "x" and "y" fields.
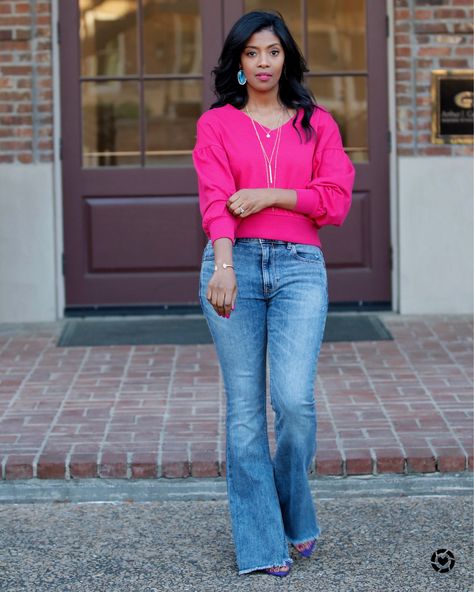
{"x": 452, "y": 97}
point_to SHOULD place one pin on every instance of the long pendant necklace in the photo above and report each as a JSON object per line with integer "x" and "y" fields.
{"x": 271, "y": 177}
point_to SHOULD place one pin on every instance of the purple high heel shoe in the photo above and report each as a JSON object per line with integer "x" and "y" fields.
{"x": 281, "y": 574}
{"x": 306, "y": 552}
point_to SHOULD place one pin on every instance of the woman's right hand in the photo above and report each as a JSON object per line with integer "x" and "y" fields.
{"x": 222, "y": 291}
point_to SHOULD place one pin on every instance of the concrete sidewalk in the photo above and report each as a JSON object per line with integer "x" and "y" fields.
{"x": 373, "y": 538}
{"x": 136, "y": 412}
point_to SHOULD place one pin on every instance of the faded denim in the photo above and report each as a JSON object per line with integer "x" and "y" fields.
{"x": 280, "y": 312}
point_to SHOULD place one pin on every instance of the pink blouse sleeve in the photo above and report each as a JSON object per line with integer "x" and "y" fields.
{"x": 327, "y": 197}
{"x": 215, "y": 183}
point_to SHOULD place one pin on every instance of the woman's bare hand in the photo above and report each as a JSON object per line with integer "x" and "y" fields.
{"x": 251, "y": 200}
{"x": 222, "y": 291}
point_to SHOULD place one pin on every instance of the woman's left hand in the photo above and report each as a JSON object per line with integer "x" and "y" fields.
{"x": 251, "y": 200}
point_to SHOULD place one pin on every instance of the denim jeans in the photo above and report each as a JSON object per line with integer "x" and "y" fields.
{"x": 280, "y": 312}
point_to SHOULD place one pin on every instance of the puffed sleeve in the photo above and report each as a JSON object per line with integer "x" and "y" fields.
{"x": 215, "y": 182}
{"x": 327, "y": 197}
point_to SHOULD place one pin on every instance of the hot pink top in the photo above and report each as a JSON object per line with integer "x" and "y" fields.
{"x": 228, "y": 157}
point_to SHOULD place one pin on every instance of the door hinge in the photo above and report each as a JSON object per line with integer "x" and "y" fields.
{"x": 387, "y": 25}
{"x": 389, "y": 141}
{"x": 64, "y": 263}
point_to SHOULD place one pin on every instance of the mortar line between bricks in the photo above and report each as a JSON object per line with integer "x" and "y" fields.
{"x": 382, "y": 406}
{"x": 59, "y": 411}
{"x": 435, "y": 404}
{"x": 159, "y": 460}
{"x": 322, "y": 391}
{"x": 113, "y": 407}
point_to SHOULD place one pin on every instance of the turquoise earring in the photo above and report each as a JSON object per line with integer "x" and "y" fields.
{"x": 241, "y": 77}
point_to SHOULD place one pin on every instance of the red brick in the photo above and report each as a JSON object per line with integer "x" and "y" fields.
{"x": 144, "y": 466}
{"x": 450, "y": 459}
{"x": 464, "y": 51}
{"x": 113, "y": 465}
{"x": 51, "y": 465}
{"x": 19, "y": 466}
{"x": 420, "y": 460}
{"x": 204, "y": 467}
{"x": 83, "y": 465}
{"x": 423, "y": 14}
{"x": 401, "y": 14}
{"x": 449, "y": 13}
{"x": 22, "y": 7}
{"x": 433, "y": 27}
{"x": 389, "y": 460}
{"x": 450, "y": 63}
{"x": 172, "y": 469}
{"x": 329, "y": 462}
{"x": 358, "y": 462}
{"x": 434, "y": 51}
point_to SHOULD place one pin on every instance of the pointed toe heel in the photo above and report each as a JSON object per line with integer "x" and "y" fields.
{"x": 308, "y": 551}
{"x": 280, "y": 573}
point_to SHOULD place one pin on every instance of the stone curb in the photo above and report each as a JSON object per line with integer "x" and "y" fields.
{"x": 25, "y": 491}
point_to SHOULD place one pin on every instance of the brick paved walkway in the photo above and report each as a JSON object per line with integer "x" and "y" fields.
{"x": 158, "y": 411}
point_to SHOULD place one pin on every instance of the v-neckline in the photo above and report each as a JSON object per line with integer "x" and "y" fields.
{"x": 274, "y": 129}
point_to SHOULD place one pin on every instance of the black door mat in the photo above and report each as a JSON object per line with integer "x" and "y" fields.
{"x": 186, "y": 331}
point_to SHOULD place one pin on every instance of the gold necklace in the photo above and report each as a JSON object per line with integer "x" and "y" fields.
{"x": 271, "y": 178}
{"x": 266, "y": 130}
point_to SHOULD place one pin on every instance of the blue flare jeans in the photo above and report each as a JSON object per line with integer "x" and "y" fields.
{"x": 280, "y": 315}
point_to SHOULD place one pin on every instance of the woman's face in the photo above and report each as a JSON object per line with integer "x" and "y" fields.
{"x": 262, "y": 60}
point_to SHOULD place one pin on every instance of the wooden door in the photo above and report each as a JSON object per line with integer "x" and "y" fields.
{"x": 135, "y": 76}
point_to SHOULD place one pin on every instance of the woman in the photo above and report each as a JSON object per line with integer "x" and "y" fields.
{"x": 271, "y": 171}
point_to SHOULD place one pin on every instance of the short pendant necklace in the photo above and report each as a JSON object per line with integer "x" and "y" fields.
{"x": 266, "y": 130}
{"x": 271, "y": 178}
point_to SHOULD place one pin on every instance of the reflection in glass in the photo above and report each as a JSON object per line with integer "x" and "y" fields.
{"x": 172, "y": 37}
{"x": 346, "y": 98}
{"x": 110, "y": 128}
{"x": 108, "y": 33}
{"x": 291, "y": 12}
{"x": 172, "y": 109}
{"x": 336, "y": 35}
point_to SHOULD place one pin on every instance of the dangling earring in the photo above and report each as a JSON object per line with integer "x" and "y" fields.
{"x": 241, "y": 77}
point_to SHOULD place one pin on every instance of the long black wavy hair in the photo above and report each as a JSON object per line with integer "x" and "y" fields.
{"x": 292, "y": 91}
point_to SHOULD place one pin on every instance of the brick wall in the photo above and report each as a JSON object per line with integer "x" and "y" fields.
{"x": 25, "y": 82}
{"x": 429, "y": 34}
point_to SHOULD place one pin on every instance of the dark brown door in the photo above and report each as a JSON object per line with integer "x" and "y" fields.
{"x": 135, "y": 75}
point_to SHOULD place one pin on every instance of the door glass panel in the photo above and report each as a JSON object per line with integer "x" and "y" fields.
{"x": 108, "y": 34}
{"x": 346, "y": 99}
{"x": 291, "y": 12}
{"x": 336, "y": 35}
{"x": 172, "y": 109}
{"x": 172, "y": 37}
{"x": 110, "y": 123}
